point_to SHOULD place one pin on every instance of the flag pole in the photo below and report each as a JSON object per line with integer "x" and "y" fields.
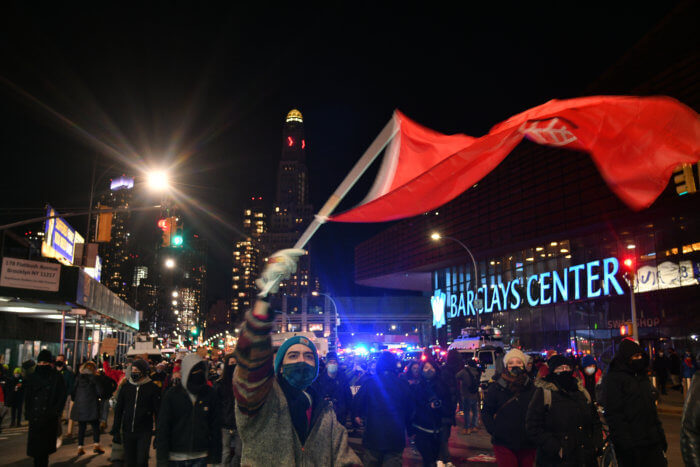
{"x": 377, "y": 146}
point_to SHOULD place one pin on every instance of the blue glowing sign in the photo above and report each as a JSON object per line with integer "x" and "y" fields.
{"x": 582, "y": 281}
{"x": 59, "y": 238}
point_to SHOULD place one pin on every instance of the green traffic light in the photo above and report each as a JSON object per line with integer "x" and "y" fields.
{"x": 177, "y": 240}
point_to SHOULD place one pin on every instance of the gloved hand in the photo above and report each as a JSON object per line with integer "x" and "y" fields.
{"x": 280, "y": 266}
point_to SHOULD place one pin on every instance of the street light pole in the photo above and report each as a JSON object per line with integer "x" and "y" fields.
{"x": 437, "y": 236}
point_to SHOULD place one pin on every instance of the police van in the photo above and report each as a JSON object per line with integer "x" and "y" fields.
{"x": 485, "y": 346}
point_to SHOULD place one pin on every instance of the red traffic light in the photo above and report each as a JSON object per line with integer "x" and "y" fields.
{"x": 163, "y": 224}
{"x": 628, "y": 263}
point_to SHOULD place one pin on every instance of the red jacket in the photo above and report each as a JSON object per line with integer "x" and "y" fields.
{"x": 116, "y": 375}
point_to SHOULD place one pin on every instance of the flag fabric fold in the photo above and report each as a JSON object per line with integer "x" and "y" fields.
{"x": 635, "y": 142}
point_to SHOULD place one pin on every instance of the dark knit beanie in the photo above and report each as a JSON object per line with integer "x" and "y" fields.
{"x": 45, "y": 356}
{"x": 558, "y": 360}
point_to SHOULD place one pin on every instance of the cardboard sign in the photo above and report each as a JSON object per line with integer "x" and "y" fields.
{"x": 109, "y": 346}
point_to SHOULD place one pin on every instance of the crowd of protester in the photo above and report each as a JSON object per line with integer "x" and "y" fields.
{"x": 257, "y": 407}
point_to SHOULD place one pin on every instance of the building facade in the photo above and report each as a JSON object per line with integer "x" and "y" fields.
{"x": 247, "y": 259}
{"x": 116, "y": 254}
{"x": 550, "y": 239}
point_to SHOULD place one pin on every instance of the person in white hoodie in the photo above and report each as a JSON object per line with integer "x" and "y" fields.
{"x": 189, "y": 422}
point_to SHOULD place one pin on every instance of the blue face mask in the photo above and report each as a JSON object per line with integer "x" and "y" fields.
{"x": 299, "y": 375}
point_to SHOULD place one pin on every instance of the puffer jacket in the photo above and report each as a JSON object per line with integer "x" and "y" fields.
{"x": 86, "y": 406}
{"x": 629, "y": 402}
{"x": 569, "y": 431}
{"x": 189, "y": 423}
{"x": 504, "y": 414}
{"x": 690, "y": 425}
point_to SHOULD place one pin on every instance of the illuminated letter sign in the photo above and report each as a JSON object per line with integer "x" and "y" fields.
{"x": 437, "y": 302}
{"x": 540, "y": 289}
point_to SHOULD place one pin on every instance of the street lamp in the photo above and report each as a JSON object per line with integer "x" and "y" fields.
{"x": 437, "y": 237}
{"x": 169, "y": 263}
{"x": 335, "y": 316}
{"x": 158, "y": 180}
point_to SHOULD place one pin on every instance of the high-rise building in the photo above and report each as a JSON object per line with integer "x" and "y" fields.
{"x": 116, "y": 273}
{"x": 292, "y": 212}
{"x": 247, "y": 258}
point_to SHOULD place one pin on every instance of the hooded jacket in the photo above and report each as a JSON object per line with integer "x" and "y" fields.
{"x": 86, "y": 394}
{"x": 262, "y": 410}
{"x": 189, "y": 425}
{"x": 629, "y": 402}
{"x": 137, "y": 404}
{"x": 570, "y": 425}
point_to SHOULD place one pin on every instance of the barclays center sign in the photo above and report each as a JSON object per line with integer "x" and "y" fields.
{"x": 579, "y": 282}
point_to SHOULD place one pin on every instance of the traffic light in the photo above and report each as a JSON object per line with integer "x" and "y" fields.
{"x": 178, "y": 237}
{"x": 684, "y": 179}
{"x": 625, "y": 329}
{"x": 103, "y": 233}
{"x": 165, "y": 224}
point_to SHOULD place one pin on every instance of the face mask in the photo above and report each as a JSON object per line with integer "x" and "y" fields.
{"x": 429, "y": 374}
{"x": 590, "y": 370}
{"x": 332, "y": 368}
{"x": 196, "y": 382}
{"x": 516, "y": 371}
{"x": 219, "y": 372}
{"x": 638, "y": 365}
{"x": 136, "y": 376}
{"x": 299, "y": 375}
{"x": 565, "y": 380}
{"x": 59, "y": 364}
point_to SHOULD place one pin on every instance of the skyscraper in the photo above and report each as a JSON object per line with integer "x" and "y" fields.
{"x": 247, "y": 258}
{"x": 116, "y": 273}
{"x": 291, "y": 212}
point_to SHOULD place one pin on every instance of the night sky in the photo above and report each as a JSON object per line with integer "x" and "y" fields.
{"x": 203, "y": 88}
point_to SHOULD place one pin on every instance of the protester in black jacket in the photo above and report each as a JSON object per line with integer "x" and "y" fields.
{"x": 189, "y": 421}
{"x": 690, "y": 425}
{"x": 231, "y": 445}
{"x": 137, "y": 405}
{"x": 661, "y": 367}
{"x": 386, "y": 404}
{"x": 334, "y": 387}
{"x": 505, "y": 409}
{"x": 45, "y": 395}
{"x": 86, "y": 406}
{"x": 630, "y": 410}
{"x": 432, "y": 412}
{"x": 562, "y": 419}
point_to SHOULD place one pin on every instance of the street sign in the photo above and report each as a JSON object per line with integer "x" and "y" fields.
{"x": 26, "y": 274}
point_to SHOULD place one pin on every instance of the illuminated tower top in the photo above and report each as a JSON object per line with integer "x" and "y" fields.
{"x": 294, "y": 116}
{"x": 293, "y": 142}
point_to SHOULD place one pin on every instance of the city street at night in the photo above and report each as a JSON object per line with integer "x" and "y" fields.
{"x": 450, "y": 234}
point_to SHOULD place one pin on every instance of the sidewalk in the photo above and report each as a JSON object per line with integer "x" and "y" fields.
{"x": 671, "y": 403}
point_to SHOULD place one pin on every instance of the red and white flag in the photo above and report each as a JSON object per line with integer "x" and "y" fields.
{"x": 636, "y": 142}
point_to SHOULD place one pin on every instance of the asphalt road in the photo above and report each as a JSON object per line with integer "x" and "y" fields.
{"x": 13, "y": 444}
